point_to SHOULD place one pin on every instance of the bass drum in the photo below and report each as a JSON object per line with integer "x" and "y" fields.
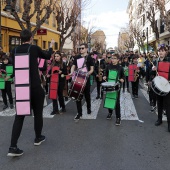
{"x": 160, "y": 86}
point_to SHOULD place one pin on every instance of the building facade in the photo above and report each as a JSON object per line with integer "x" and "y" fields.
{"x": 138, "y": 17}
{"x": 10, "y": 30}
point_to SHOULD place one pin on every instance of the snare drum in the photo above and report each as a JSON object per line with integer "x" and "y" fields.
{"x": 110, "y": 86}
{"x": 160, "y": 86}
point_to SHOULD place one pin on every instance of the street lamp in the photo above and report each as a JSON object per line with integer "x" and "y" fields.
{"x": 7, "y": 8}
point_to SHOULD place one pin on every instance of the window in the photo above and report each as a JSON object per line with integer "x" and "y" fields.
{"x": 44, "y": 44}
{"x": 56, "y": 46}
{"x": 14, "y": 42}
{"x": 47, "y": 21}
{"x": 54, "y": 20}
{"x": 18, "y": 7}
{"x": 49, "y": 44}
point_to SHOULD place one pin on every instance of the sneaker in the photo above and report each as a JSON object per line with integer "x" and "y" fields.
{"x": 11, "y": 106}
{"x": 89, "y": 111}
{"x": 54, "y": 112}
{"x": 62, "y": 111}
{"x": 109, "y": 116}
{"x": 118, "y": 121}
{"x": 39, "y": 140}
{"x": 5, "y": 107}
{"x": 98, "y": 97}
{"x": 153, "y": 108}
{"x": 14, "y": 151}
{"x": 136, "y": 96}
{"x": 77, "y": 117}
{"x": 158, "y": 122}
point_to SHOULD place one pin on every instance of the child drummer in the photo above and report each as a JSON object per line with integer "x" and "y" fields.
{"x": 114, "y": 65}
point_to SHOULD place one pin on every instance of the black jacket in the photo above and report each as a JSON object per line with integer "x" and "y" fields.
{"x": 117, "y": 68}
{"x": 35, "y": 53}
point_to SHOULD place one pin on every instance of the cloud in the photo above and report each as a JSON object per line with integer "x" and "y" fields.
{"x": 110, "y": 22}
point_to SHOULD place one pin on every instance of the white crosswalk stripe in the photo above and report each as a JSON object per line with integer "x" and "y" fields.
{"x": 128, "y": 111}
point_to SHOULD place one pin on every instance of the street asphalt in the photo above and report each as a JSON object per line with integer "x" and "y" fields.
{"x": 94, "y": 144}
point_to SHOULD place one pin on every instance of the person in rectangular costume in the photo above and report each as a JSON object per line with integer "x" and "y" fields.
{"x": 114, "y": 72}
{"x": 29, "y": 92}
{"x": 163, "y": 69}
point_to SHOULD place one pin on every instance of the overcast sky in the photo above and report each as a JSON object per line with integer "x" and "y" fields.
{"x": 107, "y": 15}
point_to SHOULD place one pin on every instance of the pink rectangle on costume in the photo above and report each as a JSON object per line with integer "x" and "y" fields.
{"x": 41, "y": 63}
{"x": 22, "y": 61}
{"x": 23, "y": 108}
{"x": 22, "y": 77}
{"x": 22, "y": 93}
{"x": 95, "y": 56}
{"x": 80, "y": 62}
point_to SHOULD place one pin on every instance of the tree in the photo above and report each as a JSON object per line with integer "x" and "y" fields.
{"x": 164, "y": 14}
{"x": 31, "y": 8}
{"x": 149, "y": 9}
{"x": 68, "y": 16}
{"x": 137, "y": 35}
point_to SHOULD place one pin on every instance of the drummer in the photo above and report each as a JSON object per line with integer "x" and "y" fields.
{"x": 163, "y": 102}
{"x": 114, "y": 65}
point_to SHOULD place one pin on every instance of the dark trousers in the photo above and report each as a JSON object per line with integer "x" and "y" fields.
{"x": 135, "y": 86}
{"x": 152, "y": 96}
{"x": 127, "y": 83}
{"x": 37, "y": 101}
{"x": 163, "y": 102}
{"x": 60, "y": 97}
{"x": 117, "y": 109}
{"x": 99, "y": 91}
{"x": 7, "y": 91}
{"x": 87, "y": 98}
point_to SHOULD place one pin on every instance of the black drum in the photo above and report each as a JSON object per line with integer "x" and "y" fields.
{"x": 110, "y": 86}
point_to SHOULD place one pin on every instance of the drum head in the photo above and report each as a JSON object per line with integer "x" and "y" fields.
{"x": 162, "y": 84}
{"x": 106, "y": 84}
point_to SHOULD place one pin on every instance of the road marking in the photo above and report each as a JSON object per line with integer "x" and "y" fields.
{"x": 46, "y": 111}
{"x": 128, "y": 111}
{"x": 144, "y": 92}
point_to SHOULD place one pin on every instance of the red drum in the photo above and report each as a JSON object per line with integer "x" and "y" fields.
{"x": 77, "y": 85}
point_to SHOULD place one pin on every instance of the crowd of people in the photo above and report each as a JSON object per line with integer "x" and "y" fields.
{"x": 100, "y": 68}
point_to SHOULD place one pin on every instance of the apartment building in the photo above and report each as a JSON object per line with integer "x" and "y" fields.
{"x": 137, "y": 17}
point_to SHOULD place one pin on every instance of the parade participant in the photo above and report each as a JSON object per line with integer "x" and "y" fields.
{"x": 7, "y": 90}
{"x": 163, "y": 101}
{"x": 115, "y": 66}
{"x": 150, "y": 75}
{"x": 90, "y": 68}
{"x": 62, "y": 72}
{"x": 135, "y": 84}
{"x": 141, "y": 64}
{"x": 37, "y": 93}
{"x": 99, "y": 69}
{"x": 125, "y": 65}
{"x": 108, "y": 58}
{"x": 66, "y": 61}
